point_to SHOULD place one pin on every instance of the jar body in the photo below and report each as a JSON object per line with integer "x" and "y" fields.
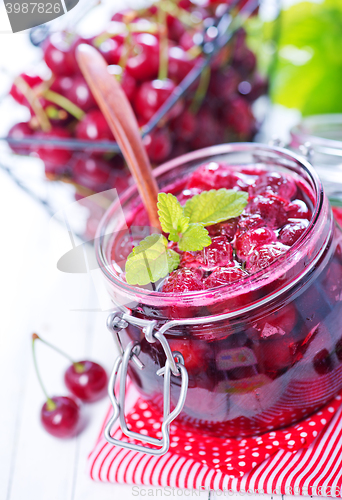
{"x": 276, "y": 354}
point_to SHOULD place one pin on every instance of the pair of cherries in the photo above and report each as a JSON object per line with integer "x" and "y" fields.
{"x": 86, "y": 381}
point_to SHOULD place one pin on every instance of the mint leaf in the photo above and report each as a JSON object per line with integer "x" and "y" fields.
{"x": 195, "y": 238}
{"x": 170, "y": 211}
{"x": 211, "y": 207}
{"x": 150, "y": 261}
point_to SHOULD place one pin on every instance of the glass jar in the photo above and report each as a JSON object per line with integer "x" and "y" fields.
{"x": 242, "y": 380}
{"x": 320, "y": 136}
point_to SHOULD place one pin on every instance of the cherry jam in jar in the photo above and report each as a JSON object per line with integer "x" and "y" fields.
{"x": 267, "y": 349}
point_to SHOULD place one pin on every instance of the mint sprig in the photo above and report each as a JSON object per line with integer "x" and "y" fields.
{"x": 152, "y": 260}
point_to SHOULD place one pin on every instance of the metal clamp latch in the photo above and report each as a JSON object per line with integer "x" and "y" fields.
{"x": 174, "y": 364}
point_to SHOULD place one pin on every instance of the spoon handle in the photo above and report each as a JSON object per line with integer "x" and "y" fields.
{"x": 121, "y": 119}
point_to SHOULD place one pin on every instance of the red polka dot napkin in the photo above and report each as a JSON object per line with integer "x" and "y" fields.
{"x": 305, "y": 458}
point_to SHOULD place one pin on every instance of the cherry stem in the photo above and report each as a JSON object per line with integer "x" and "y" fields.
{"x": 49, "y": 403}
{"x": 62, "y": 353}
{"x": 33, "y": 100}
{"x": 201, "y": 90}
{"x": 64, "y": 103}
{"x": 163, "y": 45}
{"x": 126, "y": 50}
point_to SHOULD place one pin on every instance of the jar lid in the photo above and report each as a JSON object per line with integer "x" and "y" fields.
{"x": 319, "y": 137}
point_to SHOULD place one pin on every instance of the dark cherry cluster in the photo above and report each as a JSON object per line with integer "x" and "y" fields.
{"x": 276, "y": 215}
{"x": 149, "y": 52}
{"x": 85, "y": 380}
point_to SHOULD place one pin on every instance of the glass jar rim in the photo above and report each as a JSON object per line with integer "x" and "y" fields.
{"x": 198, "y": 155}
{"x": 311, "y": 131}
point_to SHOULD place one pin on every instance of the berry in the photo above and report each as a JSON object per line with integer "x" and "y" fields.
{"x": 58, "y": 55}
{"x": 60, "y": 417}
{"x": 224, "y": 83}
{"x": 218, "y": 253}
{"x": 151, "y": 95}
{"x": 209, "y": 130}
{"x": 111, "y": 50}
{"x": 298, "y": 209}
{"x": 227, "y": 229}
{"x": 292, "y": 231}
{"x": 185, "y": 125}
{"x": 264, "y": 256}
{"x": 322, "y": 362}
{"x": 144, "y": 64}
{"x": 56, "y": 158}
{"x": 215, "y": 175}
{"x": 79, "y": 93}
{"x": 224, "y": 276}
{"x": 158, "y": 144}
{"x": 20, "y": 131}
{"x": 247, "y": 242}
{"x": 239, "y": 118}
{"x": 86, "y": 380}
{"x": 281, "y": 322}
{"x": 271, "y": 208}
{"x": 179, "y": 64}
{"x": 250, "y": 221}
{"x": 94, "y": 127}
{"x": 274, "y": 183}
{"x": 183, "y": 280}
{"x": 92, "y": 173}
{"x": 196, "y": 353}
{"x": 32, "y": 81}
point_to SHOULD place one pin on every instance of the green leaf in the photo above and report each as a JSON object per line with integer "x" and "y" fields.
{"x": 309, "y": 65}
{"x": 150, "y": 261}
{"x": 170, "y": 211}
{"x": 211, "y": 207}
{"x": 195, "y": 238}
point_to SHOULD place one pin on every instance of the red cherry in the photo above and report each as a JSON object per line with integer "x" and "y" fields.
{"x": 151, "y": 95}
{"x": 271, "y": 208}
{"x": 128, "y": 85}
{"x": 239, "y": 118}
{"x": 20, "y": 131}
{"x": 218, "y": 253}
{"x": 248, "y": 241}
{"x": 196, "y": 354}
{"x": 86, "y": 380}
{"x": 224, "y": 276}
{"x": 175, "y": 28}
{"x": 215, "y": 175}
{"x": 250, "y": 221}
{"x": 32, "y": 82}
{"x": 92, "y": 173}
{"x": 209, "y": 130}
{"x": 60, "y": 416}
{"x": 183, "y": 280}
{"x": 111, "y": 49}
{"x": 54, "y": 157}
{"x": 59, "y": 56}
{"x": 179, "y": 64}
{"x": 158, "y": 144}
{"x": 185, "y": 125}
{"x": 263, "y": 256}
{"x": 298, "y": 209}
{"x": 224, "y": 83}
{"x": 274, "y": 183}
{"x": 79, "y": 93}
{"x": 186, "y": 40}
{"x": 227, "y": 229}
{"x": 94, "y": 127}
{"x": 145, "y": 64}
{"x": 323, "y": 362}
{"x": 292, "y": 231}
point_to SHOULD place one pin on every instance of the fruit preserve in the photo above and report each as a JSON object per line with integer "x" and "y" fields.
{"x": 257, "y": 313}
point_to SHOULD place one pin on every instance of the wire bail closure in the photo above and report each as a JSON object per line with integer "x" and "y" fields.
{"x": 116, "y": 322}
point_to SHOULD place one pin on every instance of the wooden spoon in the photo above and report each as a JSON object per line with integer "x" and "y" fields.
{"x": 121, "y": 119}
